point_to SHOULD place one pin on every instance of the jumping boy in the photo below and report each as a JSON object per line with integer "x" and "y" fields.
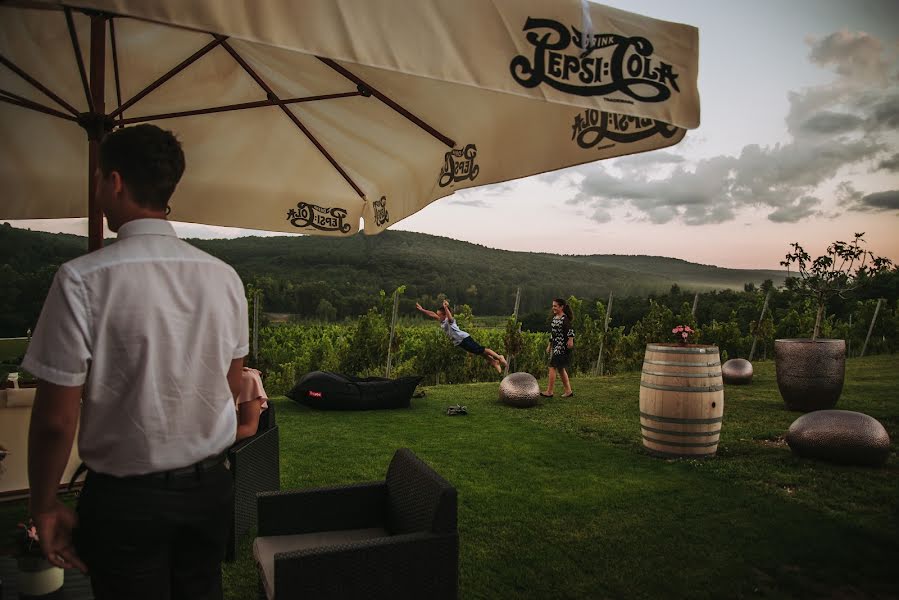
{"x": 461, "y": 338}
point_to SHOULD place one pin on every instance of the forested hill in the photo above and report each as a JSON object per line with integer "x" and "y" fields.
{"x": 686, "y": 274}
{"x": 298, "y": 273}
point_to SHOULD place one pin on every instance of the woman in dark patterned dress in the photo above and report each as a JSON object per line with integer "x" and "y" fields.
{"x": 561, "y": 342}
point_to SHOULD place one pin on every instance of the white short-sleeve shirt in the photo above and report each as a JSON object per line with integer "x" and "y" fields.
{"x": 149, "y": 325}
{"x": 452, "y": 330}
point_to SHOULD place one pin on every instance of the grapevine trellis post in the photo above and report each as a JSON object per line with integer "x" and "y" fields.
{"x": 695, "y": 304}
{"x": 871, "y": 326}
{"x": 396, "y": 301}
{"x": 256, "y": 326}
{"x": 514, "y": 318}
{"x": 755, "y": 338}
{"x": 605, "y": 328}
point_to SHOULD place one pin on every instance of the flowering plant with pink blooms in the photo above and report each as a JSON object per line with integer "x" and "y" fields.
{"x": 682, "y": 333}
{"x": 26, "y": 540}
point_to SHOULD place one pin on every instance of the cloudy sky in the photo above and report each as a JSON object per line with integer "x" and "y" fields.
{"x": 799, "y": 141}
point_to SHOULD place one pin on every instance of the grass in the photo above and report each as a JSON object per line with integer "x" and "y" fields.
{"x": 560, "y": 501}
{"x": 12, "y": 348}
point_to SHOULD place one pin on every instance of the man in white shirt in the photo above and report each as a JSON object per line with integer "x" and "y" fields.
{"x": 145, "y": 339}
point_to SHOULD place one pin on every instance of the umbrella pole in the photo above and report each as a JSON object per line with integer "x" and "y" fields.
{"x": 95, "y": 134}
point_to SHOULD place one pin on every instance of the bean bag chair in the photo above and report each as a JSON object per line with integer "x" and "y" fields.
{"x": 335, "y": 391}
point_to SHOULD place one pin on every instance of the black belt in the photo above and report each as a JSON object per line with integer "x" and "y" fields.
{"x": 195, "y": 469}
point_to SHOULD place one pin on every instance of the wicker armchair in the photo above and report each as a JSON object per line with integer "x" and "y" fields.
{"x": 388, "y": 539}
{"x": 255, "y": 467}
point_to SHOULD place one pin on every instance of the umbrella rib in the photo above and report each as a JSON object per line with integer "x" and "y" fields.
{"x": 70, "y": 22}
{"x": 233, "y": 107}
{"x": 296, "y": 121}
{"x": 386, "y": 100}
{"x": 17, "y": 100}
{"x": 115, "y": 63}
{"x": 219, "y": 40}
{"x": 35, "y": 83}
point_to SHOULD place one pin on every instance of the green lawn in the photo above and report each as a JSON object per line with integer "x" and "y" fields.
{"x": 560, "y": 501}
{"x": 11, "y": 348}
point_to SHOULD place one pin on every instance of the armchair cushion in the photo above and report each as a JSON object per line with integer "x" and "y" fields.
{"x": 265, "y": 548}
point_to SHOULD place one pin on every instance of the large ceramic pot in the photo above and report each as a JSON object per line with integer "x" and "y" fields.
{"x": 810, "y": 373}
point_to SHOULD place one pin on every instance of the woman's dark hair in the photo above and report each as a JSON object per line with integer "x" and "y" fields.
{"x": 149, "y": 159}
{"x": 565, "y": 308}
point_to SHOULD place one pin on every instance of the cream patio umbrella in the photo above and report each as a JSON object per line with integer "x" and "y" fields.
{"x": 311, "y": 116}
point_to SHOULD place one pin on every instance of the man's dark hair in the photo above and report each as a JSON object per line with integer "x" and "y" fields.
{"x": 149, "y": 159}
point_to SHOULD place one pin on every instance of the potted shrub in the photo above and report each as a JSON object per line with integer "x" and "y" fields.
{"x": 810, "y": 371}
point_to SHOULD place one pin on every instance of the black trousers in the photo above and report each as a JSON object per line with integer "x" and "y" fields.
{"x": 156, "y": 537}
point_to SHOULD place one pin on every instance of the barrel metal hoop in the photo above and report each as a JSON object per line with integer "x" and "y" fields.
{"x": 682, "y": 444}
{"x": 681, "y": 350}
{"x": 681, "y": 433}
{"x": 671, "y": 363}
{"x": 683, "y": 388}
{"x": 682, "y": 421}
{"x": 688, "y": 375}
{"x": 679, "y": 454}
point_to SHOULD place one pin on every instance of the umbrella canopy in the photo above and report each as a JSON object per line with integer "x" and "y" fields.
{"x": 306, "y": 116}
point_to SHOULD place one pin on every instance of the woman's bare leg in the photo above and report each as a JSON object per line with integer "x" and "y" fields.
{"x": 552, "y": 382}
{"x": 566, "y": 384}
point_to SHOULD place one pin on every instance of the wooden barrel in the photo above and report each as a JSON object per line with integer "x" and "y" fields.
{"x": 681, "y": 400}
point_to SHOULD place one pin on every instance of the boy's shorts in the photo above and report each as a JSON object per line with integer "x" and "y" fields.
{"x": 469, "y": 345}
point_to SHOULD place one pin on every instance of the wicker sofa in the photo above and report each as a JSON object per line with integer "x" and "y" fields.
{"x": 255, "y": 466}
{"x": 395, "y": 538}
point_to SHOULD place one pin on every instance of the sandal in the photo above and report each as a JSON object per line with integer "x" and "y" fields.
{"x": 568, "y": 395}
{"x": 546, "y": 395}
{"x": 456, "y": 410}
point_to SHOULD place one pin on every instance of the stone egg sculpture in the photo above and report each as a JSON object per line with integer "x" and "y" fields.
{"x": 520, "y": 390}
{"x": 737, "y": 371}
{"x": 840, "y": 436}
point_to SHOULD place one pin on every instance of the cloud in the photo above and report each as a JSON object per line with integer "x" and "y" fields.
{"x": 885, "y": 114}
{"x": 795, "y": 211}
{"x": 826, "y": 122}
{"x": 889, "y": 164}
{"x": 481, "y": 197}
{"x": 468, "y": 201}
{"x": 880, "y": 201}
{"x": 849, "y": 122}
{"x": 853, "y": 54}
{"x": 640, "y": 161}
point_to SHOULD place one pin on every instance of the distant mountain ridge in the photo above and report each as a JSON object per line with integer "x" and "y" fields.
{"x": 685, "y": 274}
{"x": 300, "y": 272}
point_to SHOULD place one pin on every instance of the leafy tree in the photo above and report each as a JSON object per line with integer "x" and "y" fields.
{"x": 325, "y": 311}
{"x": 841, "y": 269}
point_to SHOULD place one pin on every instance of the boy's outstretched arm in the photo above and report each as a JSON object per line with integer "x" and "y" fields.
{"x": 427, "y": 312}
{"x": 449, "y": 313}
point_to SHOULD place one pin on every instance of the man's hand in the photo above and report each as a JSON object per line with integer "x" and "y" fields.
{"x": 418, "y": 306}
{"x": 54, "y": 531}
